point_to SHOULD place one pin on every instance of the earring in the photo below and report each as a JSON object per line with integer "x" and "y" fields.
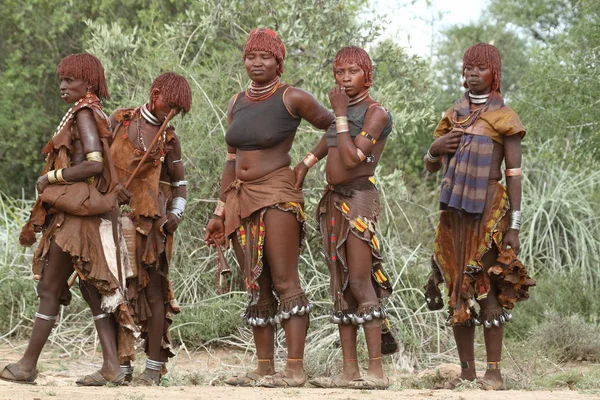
{"x": 89, "y": 92}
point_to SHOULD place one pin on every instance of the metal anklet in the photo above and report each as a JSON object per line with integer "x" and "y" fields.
{"x": 101, "y": 316}
{"x": 46, "y": 317}
{"x": 127, "y": 369}
{"x": 154, "y": 365}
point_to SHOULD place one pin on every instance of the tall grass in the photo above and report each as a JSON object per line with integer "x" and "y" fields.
{"x": 561, "y": 227}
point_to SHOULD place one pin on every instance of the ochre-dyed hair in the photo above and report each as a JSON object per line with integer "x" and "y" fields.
{"x": 87, "y": 68}
{"x": 483, "y": 53}
{"x": 264, "y": 39}
{"x": 175, "y": 90}
{"x": 355, "y": 55}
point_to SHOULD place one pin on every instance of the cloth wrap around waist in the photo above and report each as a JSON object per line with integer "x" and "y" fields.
{"x": 351, "y": 208}
{"x": 245, "y": 206}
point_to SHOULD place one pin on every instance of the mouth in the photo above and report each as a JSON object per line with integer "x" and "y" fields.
{"x": 63, "y": 95}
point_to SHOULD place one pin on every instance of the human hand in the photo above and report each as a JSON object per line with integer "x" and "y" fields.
{"x": 511, "y": 240}
{"x": 300, "y": 172}
{"x": 215, "y": 232}
{"x": 446, "y": 144}
{"x": 171, "y": 224}
{"x": 339, "y": 100}
{"x": 123, "y": 195}
{"x": 42, "y": 183}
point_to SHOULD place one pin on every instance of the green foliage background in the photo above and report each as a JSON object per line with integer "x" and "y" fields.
{"x": 550, "y": 77}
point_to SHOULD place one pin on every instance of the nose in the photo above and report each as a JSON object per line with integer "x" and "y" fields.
{"x": 346, "y": 77}
{"x": 63, "y": 85}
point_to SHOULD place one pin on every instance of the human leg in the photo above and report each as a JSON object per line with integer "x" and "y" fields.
{"x": 155, "y": 325}
{"x": 494, "y": 335}
{"x": 264, "y": 336}
{"x": 49, "y": 290}
{"x": 360, "y": 263}
{"x": 107, "y": 332}
{"x": 281, "y": 249}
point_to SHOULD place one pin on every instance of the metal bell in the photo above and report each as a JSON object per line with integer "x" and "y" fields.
{"x": 502, "y": 320}
{"x": 508, "y": 317}
{"x": 377, "y": 313}
{"x": 302, "y": 311}
{"x": 368, "y": 317}
{"x": 294, "y": 310}
{"x": 358, "y": 321}
{"x": 277, "y": 319}
{"x": 487, "y": 324}
{"x": 334, "y": 319}
{"x": 476, "y": 322}
{"x": 496, "y": 322}
{"x": 345, "y": 320}
{"x": 285, "y": 315}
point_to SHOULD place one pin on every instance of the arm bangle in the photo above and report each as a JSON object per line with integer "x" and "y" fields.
{"x": 178, "y": 183}
{"x": 361, "y": 155}
{"x": 369, "y": 137}
{"x": 431, "y": 158}
{"x": 310, "y": 160}
{"x": 513, "y": 172}
{"x": 51, "y": 177}
{"x": 58, "y": 175}
{"x": 178, "y": 207}
{"x": 515, "y": 220}
{"x": 94, "y": 156}
{"x": 220, "y": 209}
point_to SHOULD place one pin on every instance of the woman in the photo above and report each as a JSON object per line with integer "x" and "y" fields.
{"x": 157, "y": 198}
{"x": 477, "y": 238}
{"x": 347, "y": 216}
{"x": 76, "y": 193}
{"x": 259, "y": 209}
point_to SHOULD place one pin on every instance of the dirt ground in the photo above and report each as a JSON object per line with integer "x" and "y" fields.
{"x": 199, "y": 376}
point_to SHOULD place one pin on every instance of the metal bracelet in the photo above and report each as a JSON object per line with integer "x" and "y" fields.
{"x": 178, "y": 207}
{"x": 101, "y": 316}
{"x": 52, "y": 177}
{"x": 178, "y": 183}
{"x": 515, "y": 220}
{"x": 310, "y": 160}
{"x": 431, "y": 158}
{"x": 220, "y": 209}
{"x": 94, "y": 156}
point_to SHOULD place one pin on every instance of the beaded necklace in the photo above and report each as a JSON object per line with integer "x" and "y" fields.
{"x": 258, "y": 92}
{"x": 68, "y": 115}
{"x": 468, "y": 121}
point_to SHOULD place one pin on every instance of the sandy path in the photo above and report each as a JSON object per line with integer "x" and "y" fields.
{"x": 195, "y": 374}
{"x": 22, "y": 392}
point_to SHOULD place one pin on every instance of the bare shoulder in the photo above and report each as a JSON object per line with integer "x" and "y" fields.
{"x": 295, "y": 94}
{"x": 377, "y": 113}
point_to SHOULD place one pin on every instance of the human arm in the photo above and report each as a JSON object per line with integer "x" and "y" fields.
{"x": 176, "y": 177}
{"x": 300, "y": 170}
{"x": 91, "y": 148}
{"x": 353, "y": 151}
{"x": 512, "y": 160}
{"x": 215, "y": 230}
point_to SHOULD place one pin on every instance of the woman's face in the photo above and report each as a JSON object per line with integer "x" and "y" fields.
{"x": 160, "y": 108}
{"x": 351, "y": 77}
{"x": 261, "y": 66}
{"x": 479, "y": 78}
{"x": 72, "y": 89}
